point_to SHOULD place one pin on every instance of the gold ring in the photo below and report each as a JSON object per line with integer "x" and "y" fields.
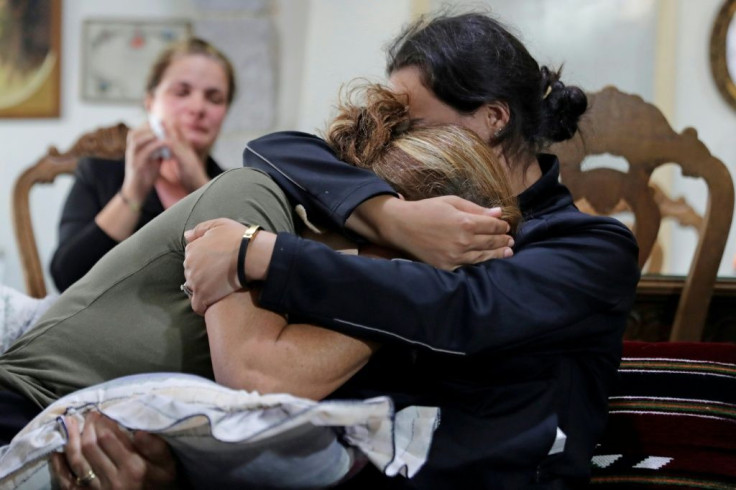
{"x": 84, "y": 481}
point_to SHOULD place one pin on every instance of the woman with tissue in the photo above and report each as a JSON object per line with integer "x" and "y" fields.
{"x": 188, "y": 92}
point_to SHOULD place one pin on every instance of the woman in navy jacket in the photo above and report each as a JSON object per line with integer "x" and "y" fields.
{"x": 520, "y": 353}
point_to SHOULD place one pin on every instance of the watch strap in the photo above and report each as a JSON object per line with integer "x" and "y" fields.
{"x": 250, "y": 232}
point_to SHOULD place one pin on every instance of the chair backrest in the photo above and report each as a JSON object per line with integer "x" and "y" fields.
{"x": 626, "y": 126}
{"x": 106, "y": 142}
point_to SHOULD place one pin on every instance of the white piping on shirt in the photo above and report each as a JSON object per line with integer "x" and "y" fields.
{"x": 248, "y": 148}
{"x": 409, "y": 341}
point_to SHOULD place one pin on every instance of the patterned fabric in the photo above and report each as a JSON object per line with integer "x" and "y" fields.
{"x": 18, "y": 313}
{"x": 672, "y": 422}
{"x": 234, "y": 439}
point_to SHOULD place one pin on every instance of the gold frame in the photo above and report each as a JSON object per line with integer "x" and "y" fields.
{"x": 718, "y": 61}
{"x": 44, "y": 101}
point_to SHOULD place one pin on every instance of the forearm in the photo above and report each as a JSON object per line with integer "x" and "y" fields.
{"x": 445, "y": 232}
{"x": 256, "y": 350}
{"x": 310, "y": 174}
{"x": 372, "y": 220}
{"x": 118, "y": 219}
{"x": 477, "y": 308}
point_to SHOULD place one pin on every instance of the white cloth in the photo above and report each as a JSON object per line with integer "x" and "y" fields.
{"x": 18, "y": 313}
{"x": 223, "y": 431}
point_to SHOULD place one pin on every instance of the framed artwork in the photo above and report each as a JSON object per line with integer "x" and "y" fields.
{"x": 117, "y": 55}
{"x": 30, "y": 58}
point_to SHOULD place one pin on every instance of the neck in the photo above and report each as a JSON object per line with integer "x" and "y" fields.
{"x": 523, "y": 172}
{"x": 203, "y": 155}
{"x": 170, "y": 168}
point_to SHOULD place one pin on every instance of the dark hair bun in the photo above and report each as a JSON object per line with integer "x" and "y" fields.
{"x": 368, "y": 118}
{"x": 562, "y": 107}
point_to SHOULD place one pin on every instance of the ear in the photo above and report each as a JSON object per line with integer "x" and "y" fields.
{"x": 497, "y": 116}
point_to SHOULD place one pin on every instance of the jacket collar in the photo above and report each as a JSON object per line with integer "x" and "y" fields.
{"x": 547, "y": 193}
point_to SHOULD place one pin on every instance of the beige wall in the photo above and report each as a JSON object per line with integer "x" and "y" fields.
{"x": 23, "y": 141}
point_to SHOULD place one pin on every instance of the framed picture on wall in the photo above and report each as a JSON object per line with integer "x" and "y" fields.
{"x": 117, "y": 55}
{"x": 30, "y": 58}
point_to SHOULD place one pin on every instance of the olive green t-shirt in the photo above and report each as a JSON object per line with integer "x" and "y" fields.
{"x": 128, "y": 314}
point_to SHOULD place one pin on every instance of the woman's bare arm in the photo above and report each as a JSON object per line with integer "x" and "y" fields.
{"x": 445, "y": 231}
{"x": 257, "y": 350}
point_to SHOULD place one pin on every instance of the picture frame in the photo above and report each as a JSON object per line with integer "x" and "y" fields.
{"x": 30, "y": 59}
{"x": 117, "y": 55}
{"x": 723, "y": 52}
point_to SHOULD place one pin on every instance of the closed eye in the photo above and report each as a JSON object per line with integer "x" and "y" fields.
{"x": 216, "y": 96}
{"x": 181, "y": 89}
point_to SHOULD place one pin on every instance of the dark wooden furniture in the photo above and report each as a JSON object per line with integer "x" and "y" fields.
{"x": 626, "y": 126}
{"x": 107, "y": 142}
{"x": 657, "y": 297}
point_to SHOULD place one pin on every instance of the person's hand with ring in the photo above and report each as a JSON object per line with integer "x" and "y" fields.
{"x": 103, "y": 456}
{"x": 86, "y": 479}
{"x": 210, "y": 261}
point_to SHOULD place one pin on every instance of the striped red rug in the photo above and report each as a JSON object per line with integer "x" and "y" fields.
{"x": 672, "y": 422}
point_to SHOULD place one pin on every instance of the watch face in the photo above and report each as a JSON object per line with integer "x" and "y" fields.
{"x": 118, "y": 55}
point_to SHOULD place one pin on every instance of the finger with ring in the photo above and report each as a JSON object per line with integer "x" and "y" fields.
{"x": 86, "y": 479}
{"x": 186, "y": 290}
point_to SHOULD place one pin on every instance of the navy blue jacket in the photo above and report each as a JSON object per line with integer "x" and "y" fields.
{"x": 510, "y": 349}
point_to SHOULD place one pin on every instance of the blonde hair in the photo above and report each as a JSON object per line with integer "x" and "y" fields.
{"x": 190, "y": 46}
{"x": 419, "y": 162}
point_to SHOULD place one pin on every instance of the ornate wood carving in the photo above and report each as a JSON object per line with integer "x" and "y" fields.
{"x": 677, "y": 209}
{"x": 107, "y": 142}
{"x": 624, "y": 125}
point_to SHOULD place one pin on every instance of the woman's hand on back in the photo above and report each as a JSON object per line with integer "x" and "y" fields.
{"x": 210, "y": 261}
{"x": 446, "y": 232}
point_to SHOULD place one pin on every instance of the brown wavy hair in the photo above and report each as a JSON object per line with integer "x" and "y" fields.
{"x": 377, "y": 133}
{"x": 186, "y": 47}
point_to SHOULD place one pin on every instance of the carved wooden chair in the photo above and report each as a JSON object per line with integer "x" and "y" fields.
{"x": 106, "y": 142}
{"x": 679, "y": 210}
{"x": 626, "y": 126}
{"x": 671, "y": 416}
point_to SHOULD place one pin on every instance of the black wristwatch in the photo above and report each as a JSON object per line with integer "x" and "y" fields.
{"x": 250, "y": 232}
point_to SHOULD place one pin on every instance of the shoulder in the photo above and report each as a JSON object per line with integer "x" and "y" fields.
{"x": 594, "y": 259}
{"x": 581, "y": 241}
{"x": 293, "y": 142}
{"x": 569, "y": 221}
{"x": 581, "y": 224}
{"x": 100, "y": 169}
{"x": 287, "y": 137}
